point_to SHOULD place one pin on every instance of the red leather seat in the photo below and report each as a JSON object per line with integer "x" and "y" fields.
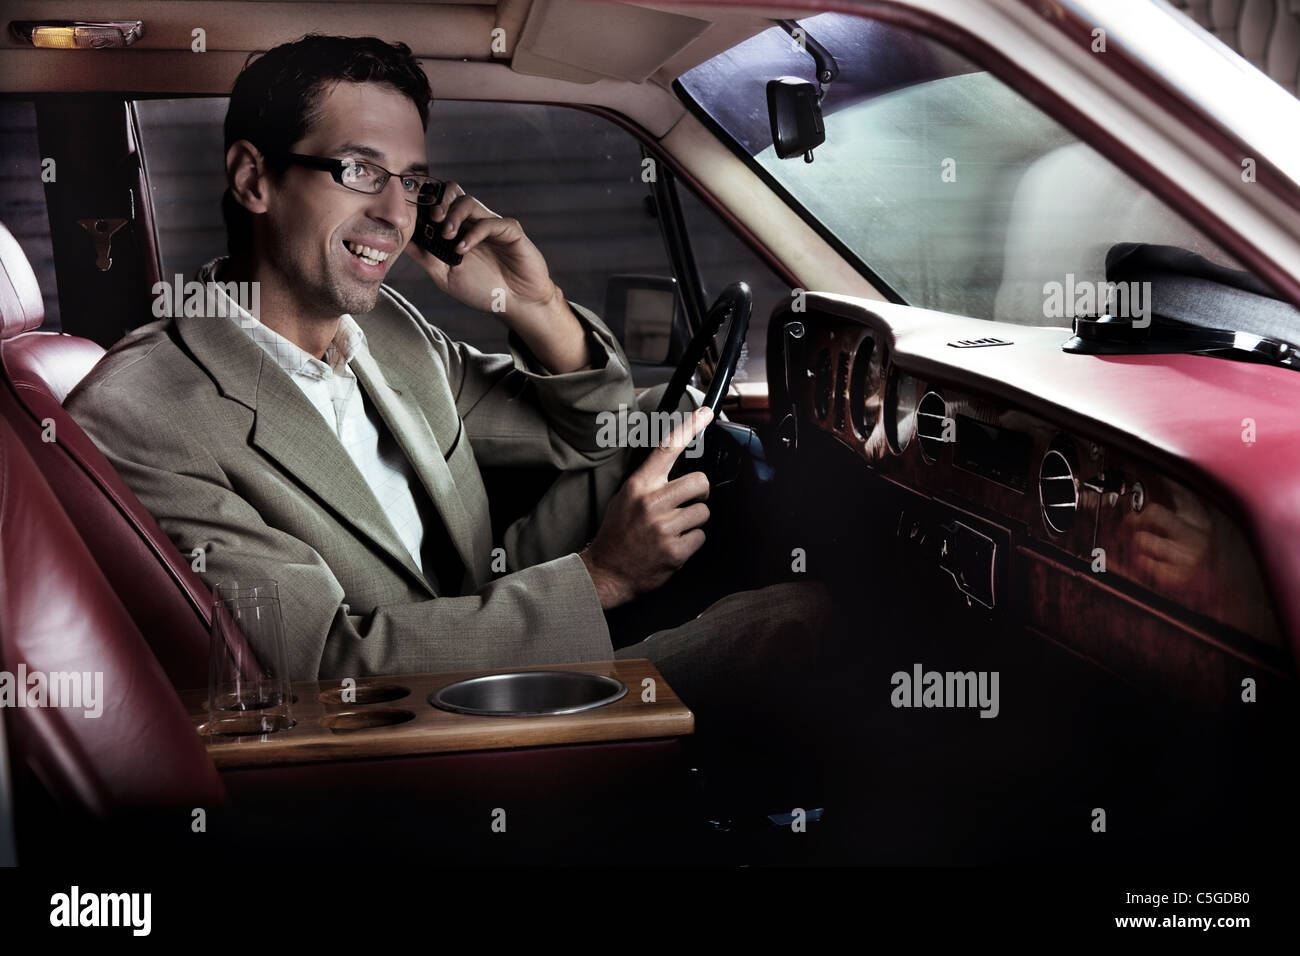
{"x": 58, "y": 614}
{"x": 168, "y": 602}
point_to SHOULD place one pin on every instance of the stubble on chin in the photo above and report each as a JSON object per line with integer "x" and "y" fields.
{"x": 353, "y": 299}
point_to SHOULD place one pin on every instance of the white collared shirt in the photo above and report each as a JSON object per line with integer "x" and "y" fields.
{"x": 334, "y": 391}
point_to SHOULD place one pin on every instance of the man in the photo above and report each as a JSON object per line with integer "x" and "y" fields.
{"x": 332, "y": 443}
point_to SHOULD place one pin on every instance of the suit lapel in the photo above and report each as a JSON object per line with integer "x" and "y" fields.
{"x": 407, "y": 422}
{"x": 290, "y": 430}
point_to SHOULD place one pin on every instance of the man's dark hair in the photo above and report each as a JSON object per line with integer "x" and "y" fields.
{"x": 276, "y": 100}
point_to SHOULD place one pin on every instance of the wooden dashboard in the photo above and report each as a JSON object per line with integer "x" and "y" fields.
{"x": 1072, "y": 528}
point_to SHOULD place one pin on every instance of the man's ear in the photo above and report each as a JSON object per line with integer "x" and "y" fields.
{"x": 246, "y": 172}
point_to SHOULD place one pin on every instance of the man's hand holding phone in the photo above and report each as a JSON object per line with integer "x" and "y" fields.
{"x": 652, "y": 525}
{"x": 501, "y": 272}
{"x": 429, "y": 234}
{"x": 495, "y": 255}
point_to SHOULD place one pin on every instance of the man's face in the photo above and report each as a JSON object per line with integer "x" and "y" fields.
{"x": 312, "y": 220}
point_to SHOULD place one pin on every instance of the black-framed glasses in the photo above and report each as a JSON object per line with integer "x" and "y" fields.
{"x": 370, "y": 178}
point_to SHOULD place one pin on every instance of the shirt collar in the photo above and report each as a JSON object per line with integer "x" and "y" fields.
{"x": 347, "y": 341}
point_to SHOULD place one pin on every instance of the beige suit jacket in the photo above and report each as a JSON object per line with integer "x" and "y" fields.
{"x": 227, "y": 453}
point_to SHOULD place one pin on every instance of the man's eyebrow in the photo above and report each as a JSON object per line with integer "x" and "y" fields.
{"x": 370, "y": 153}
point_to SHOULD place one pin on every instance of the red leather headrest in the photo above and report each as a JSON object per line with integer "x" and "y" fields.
{"x": 21, "y": 306}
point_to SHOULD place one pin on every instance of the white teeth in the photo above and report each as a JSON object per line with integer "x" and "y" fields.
{"x": 369, "y": 256}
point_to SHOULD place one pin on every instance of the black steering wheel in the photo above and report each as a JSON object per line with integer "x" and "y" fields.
{"x": 735, "y": 303}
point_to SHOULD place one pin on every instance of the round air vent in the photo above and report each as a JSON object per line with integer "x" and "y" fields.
{"x": 1058, "y": 490}
{"x": 933, "y": 426}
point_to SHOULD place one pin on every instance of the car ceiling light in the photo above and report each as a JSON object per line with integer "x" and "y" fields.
{"x": 78, "y": 34}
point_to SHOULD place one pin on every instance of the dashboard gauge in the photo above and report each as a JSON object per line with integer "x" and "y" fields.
{"x": 822, "y": 387}
{"x": 866, "y": 387}
{"x": 901, "y": 398}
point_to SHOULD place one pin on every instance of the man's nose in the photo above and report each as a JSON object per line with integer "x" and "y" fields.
{"x": 391, "y": 206}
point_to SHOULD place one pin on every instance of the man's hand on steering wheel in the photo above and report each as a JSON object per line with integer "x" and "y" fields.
{"x": 646, "y": 534}
{"x": 652, "y": 525}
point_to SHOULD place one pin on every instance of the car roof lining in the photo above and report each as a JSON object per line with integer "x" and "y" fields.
{"x": 577, "y": 41}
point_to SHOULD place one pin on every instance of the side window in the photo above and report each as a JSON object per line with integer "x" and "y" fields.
{"x": 571, "y": 178}
{"x": 722, "y": 258}
{"x": 22, "y": 198}
{"x": 182, "y": 145}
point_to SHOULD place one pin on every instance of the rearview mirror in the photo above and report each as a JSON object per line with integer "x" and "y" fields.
{"x": 796, "y": 117}
{"x": 642, "y": 312}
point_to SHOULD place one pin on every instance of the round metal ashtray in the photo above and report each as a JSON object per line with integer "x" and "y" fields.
{"x": 528, "y": 694}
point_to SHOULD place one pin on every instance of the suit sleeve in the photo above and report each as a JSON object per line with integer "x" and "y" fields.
{"x": 517, "y": 413}
{"x": 528, "y": 617}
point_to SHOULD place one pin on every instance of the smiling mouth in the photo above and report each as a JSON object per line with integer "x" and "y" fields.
{"x": 368, "y": 255}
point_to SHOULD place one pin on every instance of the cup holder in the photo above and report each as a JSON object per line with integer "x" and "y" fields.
{"x": 529, "y": 694}
{"x": 366, "y": 694}
{"x": 350, "y": 721}
{"x": 248, "y": 723}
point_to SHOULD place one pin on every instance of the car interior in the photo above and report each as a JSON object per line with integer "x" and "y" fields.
{"x": 1066, "y": 500}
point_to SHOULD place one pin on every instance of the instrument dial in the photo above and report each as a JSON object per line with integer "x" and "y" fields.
{"x": 901, "y": 397}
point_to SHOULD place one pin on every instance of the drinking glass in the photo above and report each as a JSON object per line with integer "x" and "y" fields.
{"x": 248, "y": 671}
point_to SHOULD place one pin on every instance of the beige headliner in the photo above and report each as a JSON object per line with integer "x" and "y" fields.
{"x": 621, "y": 56}
{"x": 582, "y": 41}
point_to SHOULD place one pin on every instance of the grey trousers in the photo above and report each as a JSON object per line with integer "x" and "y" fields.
{"x": 752, "y": 652}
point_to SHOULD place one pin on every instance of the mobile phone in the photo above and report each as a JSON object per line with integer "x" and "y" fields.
{"x": 428, "y": 234}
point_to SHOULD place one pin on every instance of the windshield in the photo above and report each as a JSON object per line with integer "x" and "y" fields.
{"x": 946, "y": 188}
